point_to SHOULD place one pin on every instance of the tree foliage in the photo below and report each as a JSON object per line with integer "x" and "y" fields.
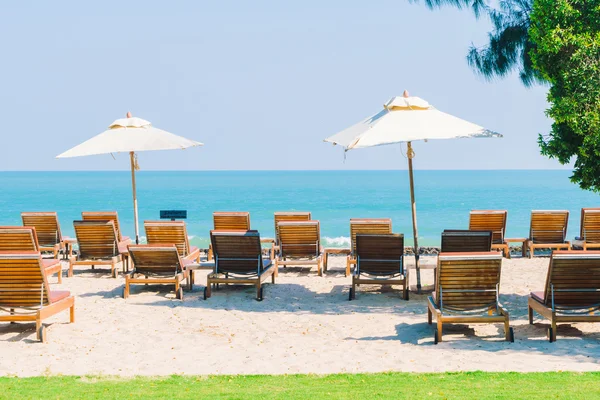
{"x": 567, "y": 55}
{"x": 508, "y": 46}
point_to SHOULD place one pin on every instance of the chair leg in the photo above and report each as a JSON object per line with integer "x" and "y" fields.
{"x": 72, "y": 314}
{"x": 439, "y": 330}
{"x": 530, "y": 312}
{"x": 70, "y": 273}
{"x": 506, "y": 329}
{"x": 348, "y": 266}
{"x": 59, "y": 275}
{"x": 429, "y": 316}
{"x": 276, "y": 272}
{"x": 531, "y": 251}
{"x": 553, "y": 324}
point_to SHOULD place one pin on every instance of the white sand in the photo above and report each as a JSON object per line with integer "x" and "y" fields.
{"x": 304, "y": 325}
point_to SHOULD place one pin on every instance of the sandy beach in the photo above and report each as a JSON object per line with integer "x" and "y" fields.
{"x": 304, "y": 325}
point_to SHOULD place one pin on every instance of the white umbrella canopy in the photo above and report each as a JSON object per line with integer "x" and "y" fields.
{"x": 406, "y": 119}
{"x": 130, "y": 135}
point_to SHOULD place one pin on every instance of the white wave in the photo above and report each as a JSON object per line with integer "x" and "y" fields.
{"x": 340, "y": 241}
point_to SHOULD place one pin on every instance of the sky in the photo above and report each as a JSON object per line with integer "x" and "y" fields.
{"x": 260, "y": 83}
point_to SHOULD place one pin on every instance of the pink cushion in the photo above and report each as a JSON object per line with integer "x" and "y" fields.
{"x": 538, "y": 296}
{"x": 57, "y": 295}
{"x": 49, "y": 262}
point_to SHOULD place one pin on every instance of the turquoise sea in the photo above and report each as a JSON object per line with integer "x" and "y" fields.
{"x": 444, "y": 198}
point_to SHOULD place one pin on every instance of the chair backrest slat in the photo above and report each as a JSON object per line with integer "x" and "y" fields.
{"x": 468, "y": 281}
{"x": 228, "y": 221}
{"x": 22, "y": 281}
{"x": 156, "y": 259}
{"x": 300, "y": 239}
{"x": 281, "y": 216}
{"x": 104, "y": 216}
{"x": 460, "y": 241}
{"x": 368, "y": 226}
{"x": 573, "y": 270}
{"x": 380, "y": 254}
{"x": 489, "y": 220}
{"x": 237, "y": 251}
{"x": 96, "y": 239}
{"x": 46, "y": 226}
{"x": 170, "y": 232}
{"x": 590, "y": 225}
{"x": 17, "y": 238}
{"x": 548, "y": 226}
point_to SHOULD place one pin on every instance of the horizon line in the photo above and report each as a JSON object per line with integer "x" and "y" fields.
{"x": 291, "y": 170}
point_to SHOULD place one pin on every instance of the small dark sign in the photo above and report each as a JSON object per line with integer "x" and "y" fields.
{"x": 173, "y": 214}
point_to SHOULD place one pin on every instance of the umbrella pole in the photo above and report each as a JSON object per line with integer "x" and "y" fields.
{"x": 135, "y": 207}
{"x": 410, "y": 154}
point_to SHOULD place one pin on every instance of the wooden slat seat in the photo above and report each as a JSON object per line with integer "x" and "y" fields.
{"x": 463, "y": 241}
{"x": 239, "y": 260}
{"x": 158, "y": 264}
{"x": 280, "y": 216}
{"x": 98, "y": 245}
{"x": 24, "y": 238}
{"x": 228, "y": 221}
{"x": 493, "y": 221}
{"x": 364, "y": 226}
{"x": 24, "y": 291}
{"x": 172, "y": 232}
{"x": 300, "y": 244}
{"x": 466, "y": 291}
{"x": 548, "y": 229}
{"x": 379, "y": 261}
{"x": 106, "y": 216}
{"x": 48, "y": 230}
{"x": 572, "y": 290}
{"x": 590, "y": 228}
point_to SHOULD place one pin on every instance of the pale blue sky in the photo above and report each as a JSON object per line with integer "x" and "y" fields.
{"x": 261, "y": 83}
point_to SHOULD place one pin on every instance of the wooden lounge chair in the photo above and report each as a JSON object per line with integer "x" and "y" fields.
{"x": 365, "y": 226}
{"x": 25, "y": 294}
{"x": 379, "y": 261}
{"x": 281, "y": 216}
{"x": 493, "y": 221}
{"x": 229, "y": 221}
{"x": 106, "y": 216}
{"x": 238, "y": 260}
{"x": 157, "y": 264}
{"x": 300, "y": 244}
{"x": 48, "y": 230}
{"x": 590, "y": 228}
{"x": 98, "y": 245}
{"x": 172, "y": 232}
{"x": 24, "y": 239}
{"x": 466, "y": 291}
{"x": 572, "y": 291}
{"x": 548, "y": 229}
{"x": 459, "y": 241}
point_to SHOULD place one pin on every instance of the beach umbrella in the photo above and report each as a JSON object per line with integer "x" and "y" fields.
{"x": 130, "y": 135}
{"x": 406, "y": 119}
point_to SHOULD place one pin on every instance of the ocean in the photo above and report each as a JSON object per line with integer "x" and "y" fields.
{"x": 444, "y": 198}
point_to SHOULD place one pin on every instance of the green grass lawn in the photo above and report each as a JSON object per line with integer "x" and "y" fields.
{"x": 477, "y": 385}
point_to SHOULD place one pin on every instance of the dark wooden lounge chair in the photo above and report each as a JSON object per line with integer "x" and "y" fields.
{"x": 25, "y": 294}
{"x": 24, "y": 239}
{"x": 238, "y": 260}
{"x": 590, "y": 228}
{"x": 459, "y": 241}
{"x": 300, "y": 244}
{"x": 158, "y": 264}
{"x": 98, "y": 245}
{"x": 172, "y": 232}
{"x": 467, "y": 290}
{"x": 572, "y": 291}
{"x": 48, "y": 230}
{"x": 379, "y": 261}
{"x": 365, "y": 226}
{"x": 548, "y": 229}
{"x": 493, "y": 221}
